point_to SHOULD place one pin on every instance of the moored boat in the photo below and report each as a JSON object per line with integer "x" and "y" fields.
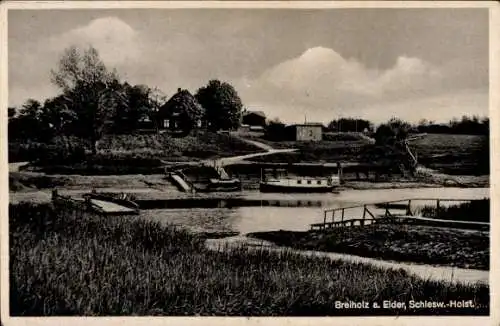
{"x": 300, "y": 184}
{"x": 216, "y": 184}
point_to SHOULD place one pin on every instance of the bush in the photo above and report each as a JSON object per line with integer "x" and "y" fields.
{"x": 475, "y": 210}
{"x": 56, "y": 151}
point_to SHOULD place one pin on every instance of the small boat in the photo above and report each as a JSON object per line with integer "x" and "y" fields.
{"x": 300, "y": 184}
{"x": 224, "y": 184}
{"x": 102, "y": 203}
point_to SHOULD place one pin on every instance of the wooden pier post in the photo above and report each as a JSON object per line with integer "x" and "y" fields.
{"x": 340, "y": 173}
{"x": 343, "y": 214}
{"x": 324, "y": 219}
{"x": 364, "y": 212}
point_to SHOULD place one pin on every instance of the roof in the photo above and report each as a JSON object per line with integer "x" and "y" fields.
{"x": 183, "y": 100}
{"x": 308, "y": 124}
{"x": 259, "y": 113}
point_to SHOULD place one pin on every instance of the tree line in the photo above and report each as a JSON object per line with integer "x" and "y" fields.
{"x": 94, "y": 101}
{"x": 473, "y": 125}
{"x": 276, "y": 130}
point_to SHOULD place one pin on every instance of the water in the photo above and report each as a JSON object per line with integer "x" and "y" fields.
{"x": 267, "y": 218}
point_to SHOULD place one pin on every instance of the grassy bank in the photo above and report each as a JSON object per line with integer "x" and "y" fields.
{"x": 25, "y": 181}
{"x": 454, "y": 154}
{"x": 408, "y": 243}
{"x": 476, "y": 210}
{"x": 70, "y": 263}
{"x": 127, "y": 154}
{"x": 451, "y": 154}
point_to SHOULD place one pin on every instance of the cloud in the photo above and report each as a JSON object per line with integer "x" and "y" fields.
{"x": 115, "y": 40}
{"x": 322, "y": 84}
{"x": 319, "y": 83}
{"x": 118, "y": 44}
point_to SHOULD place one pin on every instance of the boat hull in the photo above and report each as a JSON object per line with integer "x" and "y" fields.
{"x": 266, "y": 187}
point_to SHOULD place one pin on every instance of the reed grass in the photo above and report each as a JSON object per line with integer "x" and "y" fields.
{"x": 474, "y": 210}
{"x": 68, "y": 262}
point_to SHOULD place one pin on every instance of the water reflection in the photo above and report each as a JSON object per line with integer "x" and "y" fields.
{"x": 265, "y": 217}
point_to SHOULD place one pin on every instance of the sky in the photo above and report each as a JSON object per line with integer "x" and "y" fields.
{"x": 293, "y": 64}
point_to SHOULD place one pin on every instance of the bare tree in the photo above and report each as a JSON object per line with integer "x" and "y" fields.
{"x": 92, "y": 91}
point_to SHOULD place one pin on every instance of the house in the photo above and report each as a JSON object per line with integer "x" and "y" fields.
{"x": 306, "y": 132}
{"x": 181, "y": 112}
{"x": 254, "y": 119}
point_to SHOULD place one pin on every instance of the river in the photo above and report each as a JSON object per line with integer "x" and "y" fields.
{"x": 254, "y": 218}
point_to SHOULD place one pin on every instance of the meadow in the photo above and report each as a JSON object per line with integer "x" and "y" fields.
{"x": 447, "y": 153}
{"x": 454, "y": 154}
{"x": 65, "y": 261}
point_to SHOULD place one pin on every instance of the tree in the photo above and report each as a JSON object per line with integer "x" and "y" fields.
{"x": 136, "y": 107}
{"x": 276, "y": 130}
{"x": 28, "y": 122}
{"x": 92, "y": 92}
{"x": 222, "y": 105}
{"x": 11, "y": 112}
{"x": 390, "y": 147}
{"x": 57, "y": 116}
{"x": 391, "y": 132}
{"x": 350, "y": 125}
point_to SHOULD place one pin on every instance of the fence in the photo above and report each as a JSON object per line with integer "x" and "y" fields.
{"x": 389, "y": 211}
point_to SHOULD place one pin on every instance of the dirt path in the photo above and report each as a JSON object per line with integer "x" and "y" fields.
{"x": 258, "y": 144}
{"x": 221, "y": 162}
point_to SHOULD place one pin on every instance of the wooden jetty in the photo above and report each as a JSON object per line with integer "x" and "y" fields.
{"x": 397, "y": 211}
{"x": 103, "y": 204}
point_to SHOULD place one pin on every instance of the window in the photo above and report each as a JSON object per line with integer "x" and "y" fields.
{"x": 308, "y": 182}
{"x": 299, "y": 182}
{"x": 319, "y": 182}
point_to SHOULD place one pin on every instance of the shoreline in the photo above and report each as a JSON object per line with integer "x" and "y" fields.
{"x": 44, "y": 194}
{"x": 441, "y": 273}
{"x": 23, "y": 183}
{"x": 270, "y": 282}
{"x": 406, "y": 244}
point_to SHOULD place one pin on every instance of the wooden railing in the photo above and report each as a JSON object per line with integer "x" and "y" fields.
{"x": 369, "y": 216}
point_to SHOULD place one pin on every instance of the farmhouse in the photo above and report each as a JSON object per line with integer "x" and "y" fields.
{"x": 181, "y": 111}
{"x": 306, "y": 131}
{"x": 254, "y": 119}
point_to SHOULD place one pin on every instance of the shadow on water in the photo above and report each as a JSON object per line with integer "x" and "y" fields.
{"x": 255, "y": 212}
{"x": 224, "y": 203}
